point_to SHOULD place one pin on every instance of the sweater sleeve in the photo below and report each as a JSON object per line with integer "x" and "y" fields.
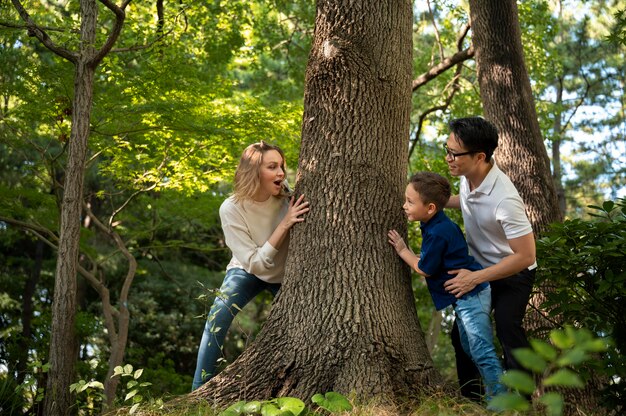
{"x": 253, "y": 258}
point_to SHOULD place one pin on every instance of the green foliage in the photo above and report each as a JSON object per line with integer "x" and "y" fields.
{"x": 331, "y": 402}
{"x": 584, "y": 262}
{"x": 618, "y": 32}
{"x": 11, "y": 396}
{"x": 89, "y": 394}
{"x": 283, "y": 406}
{"x": 134, "y": 386}
{"x": 554, "y": 364}
{"x": 15, "y": 398}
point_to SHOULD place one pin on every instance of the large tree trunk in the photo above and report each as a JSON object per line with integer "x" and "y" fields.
{"x": 508, "y": 103}
{"x": 345, "y": 319}
{"x": 62, "y": 358}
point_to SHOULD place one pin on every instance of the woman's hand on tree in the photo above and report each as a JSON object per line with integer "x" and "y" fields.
{"x": 297, "y": 208}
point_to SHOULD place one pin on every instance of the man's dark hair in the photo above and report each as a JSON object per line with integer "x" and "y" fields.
{"x": 431, "y": 187}
{"x": 476, "y": 134}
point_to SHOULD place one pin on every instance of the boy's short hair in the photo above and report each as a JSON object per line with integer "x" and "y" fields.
{"x": 476, "y": 134}
{"x": 432, "y": 188}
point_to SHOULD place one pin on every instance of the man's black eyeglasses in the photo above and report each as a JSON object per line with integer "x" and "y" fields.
{"x": 453, "y": 155}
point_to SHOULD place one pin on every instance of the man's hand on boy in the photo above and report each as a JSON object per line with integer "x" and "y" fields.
{"x": 461, "y": 284}
{"x": 396, "y": 241}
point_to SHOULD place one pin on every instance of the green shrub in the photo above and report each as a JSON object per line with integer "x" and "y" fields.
{"x": 555, "y": 364}
{"x": 584, "y": 262}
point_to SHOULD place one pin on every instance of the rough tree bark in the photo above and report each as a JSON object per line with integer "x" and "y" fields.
{"x": 508, "y": 102}
{"x": 345, "y": 319}
{"x": 62, "y": 360}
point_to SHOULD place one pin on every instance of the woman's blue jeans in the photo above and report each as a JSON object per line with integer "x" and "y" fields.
{"x": 238, "y": 288}
{"x": 476, "y": 333}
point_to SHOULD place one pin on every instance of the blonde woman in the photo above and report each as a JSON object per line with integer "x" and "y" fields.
{"x": 256, "y": 221}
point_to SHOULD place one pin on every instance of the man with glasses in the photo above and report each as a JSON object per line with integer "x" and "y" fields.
{"x": 499, "y": 236}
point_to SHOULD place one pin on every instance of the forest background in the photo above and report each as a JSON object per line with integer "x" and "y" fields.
{"x": 186, "y": 87}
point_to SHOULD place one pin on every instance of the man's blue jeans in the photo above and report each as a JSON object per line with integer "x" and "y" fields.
{"x": 238, "y": 288}
{"x": 476, "y": 333}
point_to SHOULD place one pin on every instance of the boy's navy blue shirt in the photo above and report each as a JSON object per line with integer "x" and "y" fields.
{"x": 444, "y": 248}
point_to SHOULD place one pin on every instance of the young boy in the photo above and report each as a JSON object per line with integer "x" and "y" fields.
{"x": 444, "y": 248}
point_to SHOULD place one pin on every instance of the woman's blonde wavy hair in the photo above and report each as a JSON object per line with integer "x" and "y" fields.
{"x": 247, "y": 175}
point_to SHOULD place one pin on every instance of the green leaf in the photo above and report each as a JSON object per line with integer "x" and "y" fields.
{"x": 130, "y": 394}
{"x": 270, "y": 409}
{"x": 138, "y": 373}
{"x": 134, "y": 408}
{"x": 545, "y": 350}
{"x": 333, "y": 402}
{"x": 530, "y": 359}
{"x": 596, "y": 345}
{"x": 234, "y": 409}
{"x": 561, "y": 340}
{"x": 553, "y": 402}
{"x": 128, "y": 369}
{"x": 519, "y": 381}
{"x": 96, "y": 385}
{"x": 252, "y": 407}
{"x": 564, "y": 378}
{"x": 608, "y": 206}
{"x": 573, "y": 357}
{"x": 509, "y": 401}
{"x": 291, "y": 404}
{"x": 117, "y": 371}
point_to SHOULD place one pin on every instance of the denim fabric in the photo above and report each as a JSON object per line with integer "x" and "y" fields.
{"x": 238, "y": 288}
{"x": 476, "y": 333}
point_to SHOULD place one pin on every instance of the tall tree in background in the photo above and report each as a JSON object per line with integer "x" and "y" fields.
{"x": 85, "y": 60}
{"x": 345, "y": 318}
{"x": 508, "y": 102}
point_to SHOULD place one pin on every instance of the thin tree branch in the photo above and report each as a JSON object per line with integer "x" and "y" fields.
{"x": 442, "y": 67}
{"x": 40, "y": 33}
{"x": 120, "y": 16}
{"x": 454, "y": 85}
{"x": 462, "y": 35}
{"x": 432, "y": 15}
{"x": 142, "y": 47}
{"x": 46, "y": 28}
{"x": 577, "y": 106}
{"x": 45, "y": 234}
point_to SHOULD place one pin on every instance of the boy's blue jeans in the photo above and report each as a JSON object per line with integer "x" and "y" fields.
{"x": 476, "y": 333}
{"x": 238, "y": 288}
